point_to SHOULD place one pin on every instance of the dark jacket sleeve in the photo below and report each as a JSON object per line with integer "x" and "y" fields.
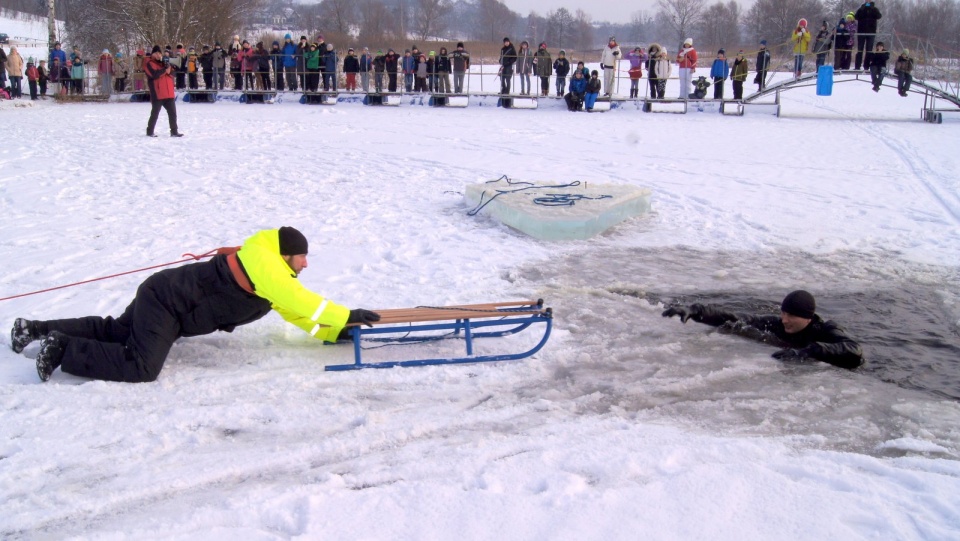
{"x": 828, "y": 342}
{"x": 832, "y": 345}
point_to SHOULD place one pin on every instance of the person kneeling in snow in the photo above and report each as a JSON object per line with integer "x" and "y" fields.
{"x": 236, "y": 287}
{"x": 578, "y": 90}
{"x": 798, "y": 326}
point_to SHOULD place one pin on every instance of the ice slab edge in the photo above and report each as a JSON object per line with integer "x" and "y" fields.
{"x": 582, "y": 220}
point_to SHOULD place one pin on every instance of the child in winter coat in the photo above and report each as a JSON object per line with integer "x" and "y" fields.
{"x": 877, "y": 64}
{"x": 821, "y": 44}
{"x": 636, "y": 57}
{"x": 653, "y": 55}
{"x": 687, "y": 60}
{"x": 903, "y": 69}
{"x": 700, "y": 88}
{"x": 740, "y": 68}
{"x": 524, "y": 67}
{"x": 420, "y": 77}
{"x": 583, "y": 71}
{"x": 593, "y": 90}
{"x": 662, "y": 71}
{"x": 578, "y": 90}
{"x": 105, "y": 72}
{"x": 719, "y": 71}
{"x": 543, "y": 63}
{"x": 42, "y": 70}
{"x": 801, "y": 42}
{"x": 561, "y": 66}
{"x": 77, "y": 73}
{"x": 32, "y": 77}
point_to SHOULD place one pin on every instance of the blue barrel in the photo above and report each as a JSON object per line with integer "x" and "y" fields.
{"x": 825, "y": 81}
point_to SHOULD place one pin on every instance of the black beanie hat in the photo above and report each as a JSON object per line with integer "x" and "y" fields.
{"x": 292, "y": 242}
{"x": 799, "y": 303}
{"x": 156, "y": 49}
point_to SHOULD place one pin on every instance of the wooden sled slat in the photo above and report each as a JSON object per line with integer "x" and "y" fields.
{"x": 466, "y": 322}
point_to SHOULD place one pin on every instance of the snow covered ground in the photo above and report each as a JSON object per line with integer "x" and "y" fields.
{"x": 626, "y": 426}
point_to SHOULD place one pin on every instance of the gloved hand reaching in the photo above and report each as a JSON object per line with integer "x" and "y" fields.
{"x": 364, "y": 317}
{"x": 694, "y": 311}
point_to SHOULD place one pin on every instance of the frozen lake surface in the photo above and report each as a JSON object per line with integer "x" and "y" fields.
{"x": 627, "y": 425}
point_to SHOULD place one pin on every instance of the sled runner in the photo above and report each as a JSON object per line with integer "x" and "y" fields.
{"x": 465, "y": 322}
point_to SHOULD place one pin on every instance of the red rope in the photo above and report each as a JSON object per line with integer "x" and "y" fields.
{"x": 187, "y": 256}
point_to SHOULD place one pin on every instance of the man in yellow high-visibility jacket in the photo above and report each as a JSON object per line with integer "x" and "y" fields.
{"x": 236, "y": 287}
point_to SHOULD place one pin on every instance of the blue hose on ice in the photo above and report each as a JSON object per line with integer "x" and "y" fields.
{"x": 550, "y": 200}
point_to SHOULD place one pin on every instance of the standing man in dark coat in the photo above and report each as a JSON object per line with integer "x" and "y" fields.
{"x": 508, "y": 57}
{"x": 867, "y": 16}
{"x": 160, "y": 83}
{"x": 800, "y": 330}
{"x": 236, "y": 287}
{"x": 763, "y": 63}
{"x": 390, "y": 65}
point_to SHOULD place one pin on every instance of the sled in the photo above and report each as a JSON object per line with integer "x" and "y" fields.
{"x": 140, "y": 96}
{"x": 461, "y": 322}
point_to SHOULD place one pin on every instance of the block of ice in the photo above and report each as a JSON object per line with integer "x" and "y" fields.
{"x": 542, "y": 210}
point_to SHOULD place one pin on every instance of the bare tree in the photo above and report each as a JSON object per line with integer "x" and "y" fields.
{"x": 375, "y": 21}
{"x": 720, "y": 26}
{"x": 123, "y": 24}
{"x": 682, "y": 16}
{"x": 494, "y": 19}
{"x": 641, "y": 26}
{"x": 775, "y": 20}
{"x": 583, "y": 30}
{"x": 560, "y": 27}
{"x": 430, "y": 18}
{"x": 339, "y": 15}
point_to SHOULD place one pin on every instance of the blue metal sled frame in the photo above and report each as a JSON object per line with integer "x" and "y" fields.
{"x": 496, "y": 322}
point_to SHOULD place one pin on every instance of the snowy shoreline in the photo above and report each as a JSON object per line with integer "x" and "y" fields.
{"x": 626, "y": 425}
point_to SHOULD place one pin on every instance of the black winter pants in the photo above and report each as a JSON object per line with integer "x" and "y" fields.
{"x": 131, "y": 348}
{"x": 171, "y": 107}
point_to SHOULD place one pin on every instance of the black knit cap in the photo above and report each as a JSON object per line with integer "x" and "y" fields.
{"x": 156, "y": 49}
{"x": 292, "y": 242}
{"x": 799, "y": 303}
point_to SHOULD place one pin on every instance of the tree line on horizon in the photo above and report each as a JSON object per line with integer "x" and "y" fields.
{"x": 378, "y": 23}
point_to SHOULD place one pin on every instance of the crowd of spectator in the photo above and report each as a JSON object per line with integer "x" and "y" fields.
{"x": 316, "y": 66}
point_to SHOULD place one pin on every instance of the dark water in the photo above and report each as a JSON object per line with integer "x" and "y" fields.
{"x": 907, "y": 337}
{"x": 625, "y": 359}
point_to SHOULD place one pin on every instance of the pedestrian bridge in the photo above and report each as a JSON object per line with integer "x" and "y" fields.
{"x": 932, "y": 92}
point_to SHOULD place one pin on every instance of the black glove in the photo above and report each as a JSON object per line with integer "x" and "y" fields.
{"x": 794, "y": 354}
{"x": 365, "y": 317}
{"x": 694, "y": 311}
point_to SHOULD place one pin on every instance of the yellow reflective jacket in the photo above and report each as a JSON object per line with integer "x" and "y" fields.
{"x": 275, "y": 281}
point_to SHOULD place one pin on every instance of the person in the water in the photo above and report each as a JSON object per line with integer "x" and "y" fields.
{"x": 805, "y": 334}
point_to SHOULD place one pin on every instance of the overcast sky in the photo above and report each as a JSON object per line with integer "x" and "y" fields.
{"x": 614, "y": 11}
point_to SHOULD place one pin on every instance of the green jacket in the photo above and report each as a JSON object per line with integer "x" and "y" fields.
{"x": 312, "y": 58}
{"x": 544, "y": 63}
{"x": 275, "y": 281}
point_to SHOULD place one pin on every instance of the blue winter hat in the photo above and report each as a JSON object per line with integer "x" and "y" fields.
{"x": 288, "y": 36}
{"x": 763, "y": 42}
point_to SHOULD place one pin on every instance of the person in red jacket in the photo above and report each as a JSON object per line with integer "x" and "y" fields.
{"x": 687, "y": 61}
{"x": 160, "y": 83}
